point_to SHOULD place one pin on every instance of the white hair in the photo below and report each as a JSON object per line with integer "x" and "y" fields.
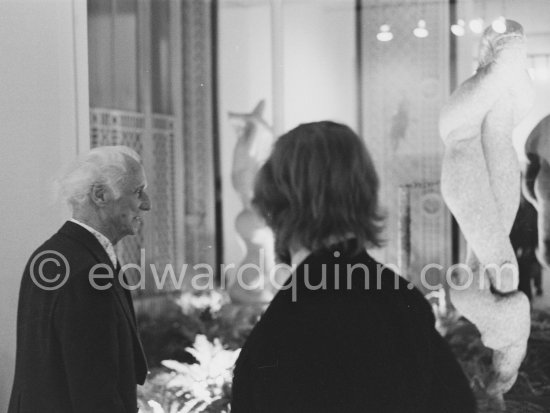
{"x": 105, "y": 165}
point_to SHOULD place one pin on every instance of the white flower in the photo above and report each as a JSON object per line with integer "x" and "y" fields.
{"x": 190, "y": 302}
{"x": 204, "y": 379}
{"x": 157, "y": 408}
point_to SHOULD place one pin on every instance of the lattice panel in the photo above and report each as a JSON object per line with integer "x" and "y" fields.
{"x": 423, "y": 228}
{"x": 110, "y": 127}
{"x": 404, "y": 84}
{"x": 163, "y": 188}
{"x": 198, "y": 133}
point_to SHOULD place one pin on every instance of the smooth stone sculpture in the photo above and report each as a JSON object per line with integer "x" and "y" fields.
{"x": 536, "y": 182}
{"x": 252, "y": 281}
{"x": 480, "y": 183}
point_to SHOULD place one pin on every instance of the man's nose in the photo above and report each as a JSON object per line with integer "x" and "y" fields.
{"x": 145, "y": 203}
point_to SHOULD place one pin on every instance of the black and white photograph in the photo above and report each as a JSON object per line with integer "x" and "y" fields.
{"x": 275, "y": 206}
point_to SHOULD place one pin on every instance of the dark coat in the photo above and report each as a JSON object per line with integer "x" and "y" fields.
{"x": 340, "y": 349}
{"x": 78, "y": 349}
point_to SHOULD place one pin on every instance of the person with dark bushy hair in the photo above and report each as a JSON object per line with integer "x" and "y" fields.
{"x": 344, "y": 333}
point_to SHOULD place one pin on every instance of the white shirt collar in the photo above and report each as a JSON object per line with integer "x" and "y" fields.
{"x": 103, "y": 240}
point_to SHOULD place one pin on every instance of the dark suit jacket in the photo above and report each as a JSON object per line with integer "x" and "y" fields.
{"x": 340, "y": 349}
{"x": 78, "y": 348}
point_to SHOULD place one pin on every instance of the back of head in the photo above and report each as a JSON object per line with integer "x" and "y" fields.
{"x": 105, "y": 165}
{"x": 319, "y": 186}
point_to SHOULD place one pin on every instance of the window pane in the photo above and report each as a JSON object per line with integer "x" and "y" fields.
{"x": 126, "y": 56}
{"x": 100, "y": 53}
{"x": 160, "y": 57}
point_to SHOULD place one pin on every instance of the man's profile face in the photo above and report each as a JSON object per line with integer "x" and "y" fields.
{"x": 125, "y": 214}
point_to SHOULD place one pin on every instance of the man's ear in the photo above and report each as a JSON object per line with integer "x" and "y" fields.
{"x": 99, "y": 194}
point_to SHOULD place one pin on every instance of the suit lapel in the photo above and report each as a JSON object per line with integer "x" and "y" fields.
{"x": 125, "y": 299}
{"x": 89, "y": 241}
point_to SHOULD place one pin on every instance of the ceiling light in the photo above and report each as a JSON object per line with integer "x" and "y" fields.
{"x": 476, "y": 25}
{"x": 420, "y": 30}
{"x": 458, "y": 28}
{"x": 384, "y": 35}
{"x": 499, "y": 25}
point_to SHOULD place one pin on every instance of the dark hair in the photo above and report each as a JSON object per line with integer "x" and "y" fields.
{"x": 319, "y": 186}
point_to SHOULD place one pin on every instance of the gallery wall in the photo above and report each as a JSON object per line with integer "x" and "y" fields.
{"x": 43, "y": 124}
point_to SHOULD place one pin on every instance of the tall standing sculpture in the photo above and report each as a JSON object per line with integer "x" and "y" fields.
{"x": 254, "y": 140}
{"x": 480, "y": 183}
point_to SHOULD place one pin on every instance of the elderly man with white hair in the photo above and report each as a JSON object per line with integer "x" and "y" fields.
{"x": 78, "y": 348}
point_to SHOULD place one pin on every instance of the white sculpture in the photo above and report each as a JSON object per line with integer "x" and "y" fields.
{"x": 481, "y": 186}
{"x": 252, "y": 282}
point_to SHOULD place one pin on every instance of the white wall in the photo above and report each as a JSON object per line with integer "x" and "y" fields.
{"x": 318, "y": 73}
{"x": 43, "y": 123}
{"x": 320, "y": 62}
